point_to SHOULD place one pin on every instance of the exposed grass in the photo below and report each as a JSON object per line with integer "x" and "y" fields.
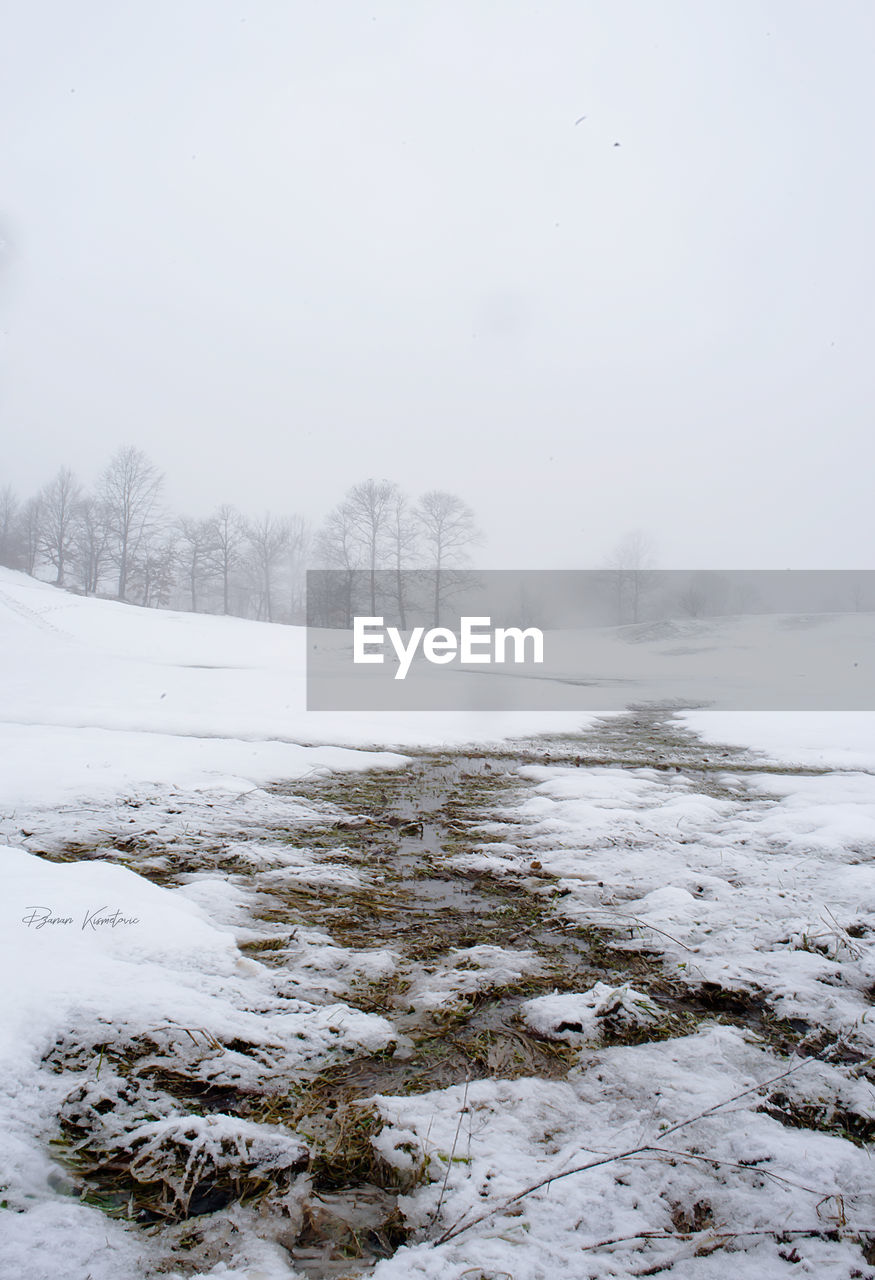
{"x": 823, "y": 1117}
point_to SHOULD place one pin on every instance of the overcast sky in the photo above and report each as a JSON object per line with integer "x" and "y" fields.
{"x": 283, "y": 246}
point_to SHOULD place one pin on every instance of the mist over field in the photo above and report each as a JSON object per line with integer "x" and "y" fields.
{"x": 595, "y": 269}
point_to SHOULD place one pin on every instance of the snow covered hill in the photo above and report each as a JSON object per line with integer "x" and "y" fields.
{"x": 97, "y": 696}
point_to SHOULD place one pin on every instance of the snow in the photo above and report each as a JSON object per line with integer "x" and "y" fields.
{"x": 210, "y": 1144}
{"x": 581, "y": 1017}
{"x": 832, "y": 739}
{"x": 756, "y": 893}
{"x": 99, "y": 664}
{"x": 468, "y": 970}
{"x": 149, "y": 733}
{"x": 496, "y": 1137}
{"x": 112, "y": 715}
{"x": 169, "y": 977}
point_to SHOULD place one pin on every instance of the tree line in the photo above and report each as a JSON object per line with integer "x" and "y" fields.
{"x": 119, "y": 540}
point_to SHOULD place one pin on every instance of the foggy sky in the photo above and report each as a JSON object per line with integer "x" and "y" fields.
{"x": 287, "y": 245}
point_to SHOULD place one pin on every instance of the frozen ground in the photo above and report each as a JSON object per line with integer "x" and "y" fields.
{"x": 295, "y": 994}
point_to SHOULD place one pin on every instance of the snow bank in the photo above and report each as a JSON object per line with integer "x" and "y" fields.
{"x": 827, "y": 739}
{"x": 106, "y": 958}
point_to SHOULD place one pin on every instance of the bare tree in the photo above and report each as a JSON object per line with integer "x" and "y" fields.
{"x": 131, "y": 490}
{"x": 59, "y": 500}
{"x": 296, "y": 553}
{"x": 29, "y": 532}
{"x": 195, "y": 552}
{"x": 91, "y": 538}
{"x": 861, "y": 593}
{"x": 705, "y": 594}
{"x": 630, "y": 567}
{"x": 403, "y": 540}
{"x": 338, "y": 547}
{"x": 229, "y": 542}
{"x": 693, "y": 600}
{"x": 268, "y": 540}
{"x": 153, "y": 571}
{"x": 369, "y": 505}
{"x": 448, "y": 529}
{"x": 10, "y": 549}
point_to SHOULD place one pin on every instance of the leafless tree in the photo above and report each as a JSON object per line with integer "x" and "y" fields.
{"x": 629, "y": 568}
{"x": 861, "y": 596}
{"x": 705, "y": 595}
{"x": 373, "y": 536}
{"x": 59, "y": 500}
{"x": 268, "y": 540}
{"x": 10, "y": 549}
{"x": 369, "y": 506}
{"x": 296, "y": 572}
{"x": 338, "y": 547}
{"x": 448, "y": 529}
{"x": 131, "y": 491}
{"x": 154, "y": 571}
{"x": 29, "y": 533}
{"x": 403, "y": 542}
{"x": 693, "y": 600}
{"x": 229, "y": 542}
{"x": 91, "y": 538}
{"x": 196, "y": 547}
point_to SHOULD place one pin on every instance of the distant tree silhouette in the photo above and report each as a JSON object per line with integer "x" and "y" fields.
{"x": 131, "y": 491}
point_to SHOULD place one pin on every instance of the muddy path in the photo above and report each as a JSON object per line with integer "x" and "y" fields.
{"x": 466, "y": 944}
{"x": 407, "y": 833}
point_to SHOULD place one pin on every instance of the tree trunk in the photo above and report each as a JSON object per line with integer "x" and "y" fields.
{"x": 123, "y": 572}
{"x": 399, "y": 582}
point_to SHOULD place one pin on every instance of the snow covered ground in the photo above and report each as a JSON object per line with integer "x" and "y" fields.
{"x": 143, "y": 837}
{"x": 812, "y": 662}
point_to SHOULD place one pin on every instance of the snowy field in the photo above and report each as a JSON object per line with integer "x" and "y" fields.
{"x": 807, "y": 662}
{"x": 715, "y": 1098}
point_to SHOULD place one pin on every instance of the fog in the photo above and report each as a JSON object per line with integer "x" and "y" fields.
{"x": 591, "y": 266}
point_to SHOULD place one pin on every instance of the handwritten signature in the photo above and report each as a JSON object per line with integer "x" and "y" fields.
{"x": 98, "y": 918}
